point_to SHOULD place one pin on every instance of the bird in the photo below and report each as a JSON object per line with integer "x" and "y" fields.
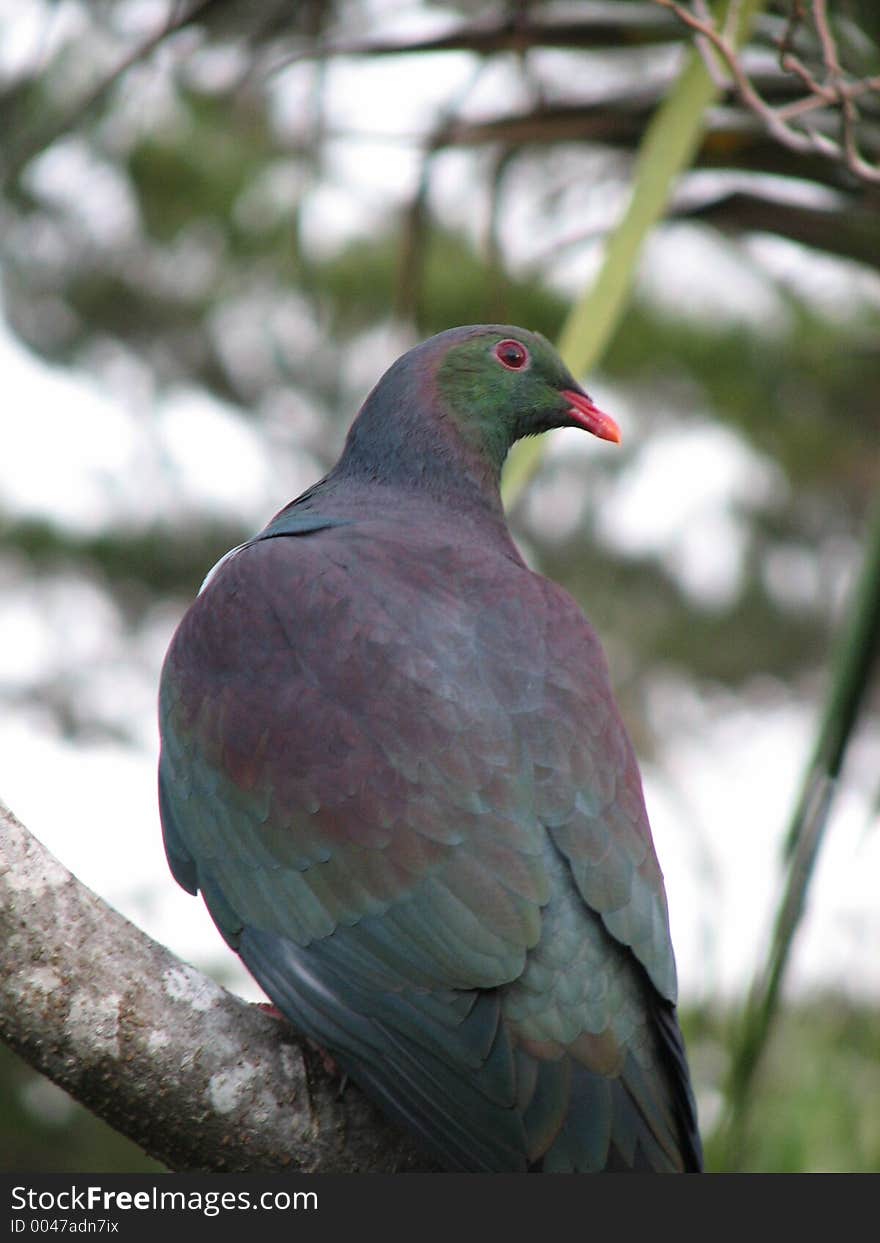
{"x": 392, "y": 763}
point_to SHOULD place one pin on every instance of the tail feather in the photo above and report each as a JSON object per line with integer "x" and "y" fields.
{"x": 478, "y": 1101}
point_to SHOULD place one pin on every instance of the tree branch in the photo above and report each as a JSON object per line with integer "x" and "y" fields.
{"x": 517, "y": 32}
{"x": 200, "y": 1079}
{"x": 798, "y": 125}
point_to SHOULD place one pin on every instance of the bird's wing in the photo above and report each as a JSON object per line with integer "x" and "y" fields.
{"x": 355, "y": 775}
{"x": 327, "y": 753}
{"x": 591, "y": 802}
{"x": 591, "y": 798}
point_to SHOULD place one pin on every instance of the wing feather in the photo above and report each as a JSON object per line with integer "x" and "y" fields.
{"x": 400, "y": 781}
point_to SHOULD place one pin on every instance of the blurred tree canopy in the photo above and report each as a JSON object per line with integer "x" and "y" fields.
{"x": 162, "y": 210}
{"x": 219, "y": 197}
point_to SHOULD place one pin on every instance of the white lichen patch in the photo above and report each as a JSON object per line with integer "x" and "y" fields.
{"x": 226, "y": 1088}
{"x": 92, "y": 1025}
{"x": 42, "y": 980}
{"x": 184, "y": 983}
{"x": 23, "y": 984}
{"x": 156, "y": 1041}
{"x": 291, "y": 1063}
{"x": 225, "y": 1047}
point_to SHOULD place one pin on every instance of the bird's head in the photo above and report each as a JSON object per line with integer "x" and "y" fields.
{"x": 499, "y": 383}
{"x": 445, "y": 414}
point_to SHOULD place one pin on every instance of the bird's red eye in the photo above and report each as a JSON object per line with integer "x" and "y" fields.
{"x": 511, "y": 355}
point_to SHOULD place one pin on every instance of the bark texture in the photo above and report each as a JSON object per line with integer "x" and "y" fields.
{"x": 200, "y": 1079}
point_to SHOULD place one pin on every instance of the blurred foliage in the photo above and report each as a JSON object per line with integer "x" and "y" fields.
{"x": 135, "y": 565}
{"x": 162, "y": 214}
{"x": 43, "y": 1130}
{"x": 808, "y": 1114}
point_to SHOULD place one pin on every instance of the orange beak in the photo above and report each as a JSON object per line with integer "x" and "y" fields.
{"x": 590, "y": 417}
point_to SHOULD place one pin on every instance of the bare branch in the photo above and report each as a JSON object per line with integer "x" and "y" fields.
{"x": 804, "y": 125}
{"x": 516, "y": 33}
{"x": 197, "y": 1077}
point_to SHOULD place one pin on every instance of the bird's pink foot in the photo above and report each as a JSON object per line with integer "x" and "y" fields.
{"x": 272, "y": 1011}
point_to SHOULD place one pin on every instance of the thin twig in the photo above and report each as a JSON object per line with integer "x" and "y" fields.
{"x": 794, "y": 125}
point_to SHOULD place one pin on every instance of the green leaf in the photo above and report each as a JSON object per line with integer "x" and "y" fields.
{"x": 852, "y": 675}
